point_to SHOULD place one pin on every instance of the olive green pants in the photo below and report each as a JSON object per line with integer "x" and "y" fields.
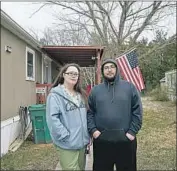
{"x": 72, "y": 159}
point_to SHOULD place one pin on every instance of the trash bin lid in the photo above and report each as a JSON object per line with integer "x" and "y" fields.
{"x": 37, "y": 107}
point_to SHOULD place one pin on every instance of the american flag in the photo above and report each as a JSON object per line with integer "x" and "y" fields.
{"x": 129, "y": 69}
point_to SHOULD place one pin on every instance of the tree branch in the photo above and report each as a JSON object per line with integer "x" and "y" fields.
{"x": 71, "y": 8}
{"x": 38, "y": 9}
{"x": 146, "y": 21}
{"x": 94, "y": 19}
{"x": 98, "y": 3}
{"x": 125, "y": 9}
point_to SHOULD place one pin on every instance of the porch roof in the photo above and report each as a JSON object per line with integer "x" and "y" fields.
{"x": 85, "y": 56}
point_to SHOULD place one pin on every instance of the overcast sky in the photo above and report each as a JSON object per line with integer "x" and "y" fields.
{"x": 21, "y": 12}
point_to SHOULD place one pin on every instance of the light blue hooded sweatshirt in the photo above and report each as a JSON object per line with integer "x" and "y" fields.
{"x": 67, "y": 121}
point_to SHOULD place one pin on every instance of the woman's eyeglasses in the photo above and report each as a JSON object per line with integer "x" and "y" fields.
{"x": 72, "y": 74}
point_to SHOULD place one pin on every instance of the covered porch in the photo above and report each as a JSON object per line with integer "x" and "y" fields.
{"x": 85, "y": 56}
{"x": 56, "y": 56}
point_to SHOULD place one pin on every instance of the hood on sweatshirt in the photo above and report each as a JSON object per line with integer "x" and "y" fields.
{"x": 109, "y": 61}
{"x": 116, "y": 79}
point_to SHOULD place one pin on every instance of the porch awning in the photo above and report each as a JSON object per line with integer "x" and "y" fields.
{"x": 85, "y": 56}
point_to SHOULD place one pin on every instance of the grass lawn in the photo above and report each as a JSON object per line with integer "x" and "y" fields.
{"x": 156, "y": 144}
{"x": 157, "y": 138}
{"x": 31, "y": 156}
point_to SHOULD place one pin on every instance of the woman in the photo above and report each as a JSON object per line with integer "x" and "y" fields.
{"x": 66, "y": 118}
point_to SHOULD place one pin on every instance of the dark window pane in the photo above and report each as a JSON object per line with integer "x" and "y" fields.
{"x": 30, "y": 71}
{"x": 30, "y": 64}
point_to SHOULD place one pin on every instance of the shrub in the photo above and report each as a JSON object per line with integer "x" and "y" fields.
{"x": 159, "y": 94}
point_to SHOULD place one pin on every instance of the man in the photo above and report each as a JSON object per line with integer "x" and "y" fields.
{"x": 114, "y": 118}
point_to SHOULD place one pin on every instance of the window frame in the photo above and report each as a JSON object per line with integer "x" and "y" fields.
{"x": 33, "y": 53}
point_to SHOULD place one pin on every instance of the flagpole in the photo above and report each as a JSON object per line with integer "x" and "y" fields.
{"x": 126, "y": 52}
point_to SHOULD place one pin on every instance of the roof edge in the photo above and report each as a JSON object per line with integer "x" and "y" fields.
{"x": 15, "y": 28}
{"x": 73, "y": 47}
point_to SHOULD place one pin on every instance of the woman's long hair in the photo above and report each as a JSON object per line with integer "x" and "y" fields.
{"x": 77, "y": 87}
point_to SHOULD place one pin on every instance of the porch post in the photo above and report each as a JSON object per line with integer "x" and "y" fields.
{"x": 98, "y": 68}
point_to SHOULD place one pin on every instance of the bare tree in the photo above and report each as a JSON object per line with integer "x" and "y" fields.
{"x": 63, "y": 35}
{"x": 88, "y": 76}
{"x": 34, "y": 33}
{"x": 116, "y": 25}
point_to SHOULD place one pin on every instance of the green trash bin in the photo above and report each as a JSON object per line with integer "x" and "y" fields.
{"x": 39, "y": 125}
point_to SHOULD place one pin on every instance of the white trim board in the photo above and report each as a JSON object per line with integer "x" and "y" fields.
{"x": 10, "y": 121}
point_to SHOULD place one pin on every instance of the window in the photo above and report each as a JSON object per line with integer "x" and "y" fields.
{"x": 30, "y": 64}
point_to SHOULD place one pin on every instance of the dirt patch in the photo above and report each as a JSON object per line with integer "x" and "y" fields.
{"x": 41, "y": 146}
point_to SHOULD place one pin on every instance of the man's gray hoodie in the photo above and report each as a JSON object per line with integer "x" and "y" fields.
{"x": 114, "y": 109}
{"x": 66, "y": 120}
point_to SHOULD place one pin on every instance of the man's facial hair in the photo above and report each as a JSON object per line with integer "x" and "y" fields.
{"x": 110, "y": 79}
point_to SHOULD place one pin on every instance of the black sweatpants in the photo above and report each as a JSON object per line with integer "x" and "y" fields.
{"x": 122, "y": 154}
